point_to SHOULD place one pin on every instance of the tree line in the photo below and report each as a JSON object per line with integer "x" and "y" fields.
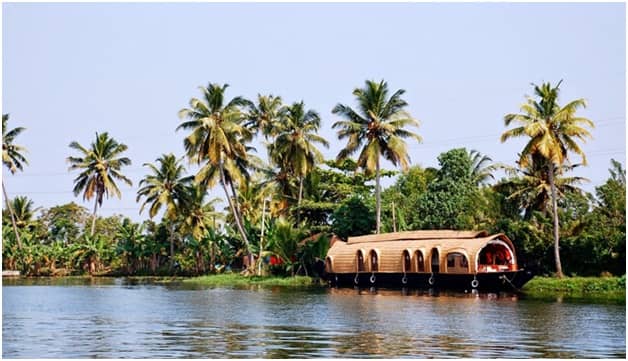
{"x": 281, "y": 213}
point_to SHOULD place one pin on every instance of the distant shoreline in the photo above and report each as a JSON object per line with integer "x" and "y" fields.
{"x": 605, "y": 289}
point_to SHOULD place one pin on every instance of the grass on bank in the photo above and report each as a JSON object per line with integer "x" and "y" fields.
{"x": 577, "y": 287}
{"x": 234, "y": 279}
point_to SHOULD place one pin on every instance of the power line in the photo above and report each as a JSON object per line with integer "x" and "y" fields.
{"x": 70, "y": 173}
{"x": 426, "y": 145}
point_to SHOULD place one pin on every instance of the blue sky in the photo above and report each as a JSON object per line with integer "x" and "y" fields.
{"x": 70, "y": 70}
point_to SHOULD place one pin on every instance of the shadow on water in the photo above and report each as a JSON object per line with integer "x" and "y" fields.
{"x": 430, "y": 292}
{"x": 60, "y": 281}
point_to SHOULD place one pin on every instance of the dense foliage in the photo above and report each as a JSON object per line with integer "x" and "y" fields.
{"x": 450, "y": 200}
{"x": 280, "y": 215}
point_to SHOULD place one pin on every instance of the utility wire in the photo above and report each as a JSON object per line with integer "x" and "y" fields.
{"x": 426, "y": 145}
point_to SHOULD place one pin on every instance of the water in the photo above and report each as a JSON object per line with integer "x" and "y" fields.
{"x": 109, "y": 318}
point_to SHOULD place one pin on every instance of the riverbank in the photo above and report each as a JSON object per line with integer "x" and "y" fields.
{"x": 577, "y": 288}
{"x": 234, "y": 279}
{"x": 605, "y": 289}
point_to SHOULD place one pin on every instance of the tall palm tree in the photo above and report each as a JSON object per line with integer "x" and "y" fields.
{"x": 266, "y": 115}
{"x": 100, "y": 167}
{"x": 165, "y": 187}
{"x": 376, "y": 128}
{"x": 553, "y": 132}
{"x": 12, "y": 158}
{"x": 294, "y": 147}
{"x": 217, "y": 141}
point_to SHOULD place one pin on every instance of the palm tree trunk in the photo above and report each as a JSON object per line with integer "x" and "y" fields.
{"x": 94, "y": 215}
{"x": 299, "y": 201}
{"x": 233, "y": 209}
{"x": 559, "y": 268}
{"x": 378, "y": 201}
{"x": 6, "y": 199}
{"x": 212, "y": 253}
{"x": 153, "y": 263}
{"x": 393, "y": 217}
{"x": 235, "y": 200}
{"x": 212, "y": 257}
{"x": 238, "y": 212}
{"x": 171, "y": 245}
{"x": 261, "y": 240}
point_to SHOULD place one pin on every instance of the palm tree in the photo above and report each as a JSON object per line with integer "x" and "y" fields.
{"x": 199, "y": 218}
{"x": 530, "y": 187}
{"x": 200, "y": 214}
{"x": 100, "y": 166}
{"x": 266, "y": 115}
{"x": 553, "y": 132}
{"x": 166, "y": 186}
{"x": 218, "y": 140}
{"x": 250, "y": 197}
{"x": 23, "y": 211}
{"x": 294, "y": 149}
{"x": 482, "y": 168}
{"x": 378, "y": 128}
{"x": 131, "y": 244}
{"x": 277, "y": 182}
{"x": 12, "y": 158}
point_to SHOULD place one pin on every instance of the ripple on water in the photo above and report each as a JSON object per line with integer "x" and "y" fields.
{"x": 125, "y": 320}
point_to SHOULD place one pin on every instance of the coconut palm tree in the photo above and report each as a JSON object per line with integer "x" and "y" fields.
{"x": 530, "y": 187}
{"x": 482, "y": 169}
{"x": 200, "y": 214}
{"x": 553, "y": 133}
{"x": 199, "y": 217}
{"x": 276, "y": 182}
{"x": 217, "y": 141}
{"x": 100, "y": 167}
{"x": 12, "y": 158}
{"x": 294, "y": 147}
{"x": 23, "y": 211}
{"x": 377, "y": 128}
{"x": 165, "y": 187}
{"x": 266, "y": 115}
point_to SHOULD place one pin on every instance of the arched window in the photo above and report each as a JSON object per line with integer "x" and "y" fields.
{"x": 435, "y": 261}
{"x": 495, "y": 256}
{"x": 420, "y": 262}
{"x": 457, "y": 262}
{"x": 328, "y": 265}
{"x": 406, "y": 263}
{"x": 359, "y": 260}
{"x": 373, "y": 261}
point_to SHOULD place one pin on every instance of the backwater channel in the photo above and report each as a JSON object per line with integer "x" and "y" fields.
{"x": 124, "y": 318}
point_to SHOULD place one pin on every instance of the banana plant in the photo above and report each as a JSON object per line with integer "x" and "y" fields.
{"x": 90, "y": 253}
{"x": 131, "y": 244}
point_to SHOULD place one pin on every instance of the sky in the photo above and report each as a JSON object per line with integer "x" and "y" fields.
{"x": 71, "y": 70}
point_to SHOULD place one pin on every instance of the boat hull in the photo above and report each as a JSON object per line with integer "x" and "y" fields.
{"x": 507, "y": 281}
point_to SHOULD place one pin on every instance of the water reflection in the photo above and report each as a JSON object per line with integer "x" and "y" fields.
{"x": 119, "y": 318}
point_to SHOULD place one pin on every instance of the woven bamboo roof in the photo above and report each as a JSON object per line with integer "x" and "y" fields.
{"x": 417, "y": 235}
{"x": 390, "y": 247}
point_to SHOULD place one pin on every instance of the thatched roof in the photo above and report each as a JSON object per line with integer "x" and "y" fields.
{"x": 390, "y": 247}
{"x": 418, "y": 235}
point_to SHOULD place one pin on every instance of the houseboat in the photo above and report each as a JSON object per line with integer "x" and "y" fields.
{"x": 445, "y": 259}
